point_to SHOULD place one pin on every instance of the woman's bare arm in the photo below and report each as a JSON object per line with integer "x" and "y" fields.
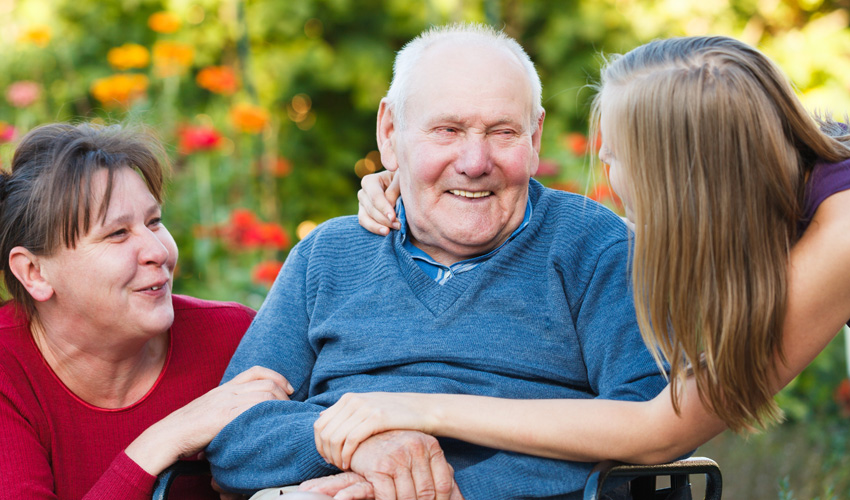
{"x": 592, "y": 430}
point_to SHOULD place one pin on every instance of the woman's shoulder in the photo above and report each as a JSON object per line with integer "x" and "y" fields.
{"x": 825, "y": 180}
{"x": 187, "y": 303}
{"x": 15, "y": 339}
{"x": 11, "y": 316}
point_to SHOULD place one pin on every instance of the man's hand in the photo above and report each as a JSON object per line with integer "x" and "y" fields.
{"x": 344, "y": 486}
{"x": 405, "y": 465}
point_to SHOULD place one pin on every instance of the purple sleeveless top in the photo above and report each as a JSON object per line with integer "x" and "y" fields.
{"x": 826, "y": 179}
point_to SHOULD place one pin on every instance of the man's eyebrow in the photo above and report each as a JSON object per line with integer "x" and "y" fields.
{"x": 446, "y": 118}
{"x": 505, "y": 121}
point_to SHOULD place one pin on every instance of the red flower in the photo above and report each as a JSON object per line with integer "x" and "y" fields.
{"x": 198, "y": 138}
{"x": 265, "y": 272}
{"x": 7, "y": 132}
{"x": 242, "y": 218}
{"x": 246, "y": 231}
{"x": 842, "y": 397}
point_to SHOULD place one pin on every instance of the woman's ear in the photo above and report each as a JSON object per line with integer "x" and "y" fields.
{"x": 26, "y": 266}
{"x": 386, "y": 129}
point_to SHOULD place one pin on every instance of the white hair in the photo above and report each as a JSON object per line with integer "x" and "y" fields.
{"x": 409, "y": 56}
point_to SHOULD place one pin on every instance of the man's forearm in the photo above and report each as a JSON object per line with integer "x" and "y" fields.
{"x": 270, "y": 445}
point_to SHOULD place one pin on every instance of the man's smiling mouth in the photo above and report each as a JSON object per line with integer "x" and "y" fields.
{"x": 470, "y": 194}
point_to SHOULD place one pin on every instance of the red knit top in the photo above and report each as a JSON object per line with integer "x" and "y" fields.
{"x": 53, "y": 445}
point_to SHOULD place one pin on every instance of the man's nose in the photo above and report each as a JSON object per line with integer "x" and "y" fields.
{"x": 475, "y": 159}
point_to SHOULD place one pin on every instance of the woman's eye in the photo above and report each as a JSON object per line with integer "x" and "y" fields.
{"x": 155, "y": 221}
{"x": 120, "y": 232}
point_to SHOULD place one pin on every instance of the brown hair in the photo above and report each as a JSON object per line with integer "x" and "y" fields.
{"x": 46, "y": 199}
{"x": 716, "y": 148}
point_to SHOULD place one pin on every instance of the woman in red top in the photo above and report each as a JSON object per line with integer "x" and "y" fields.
{"x": 106, "y": 378}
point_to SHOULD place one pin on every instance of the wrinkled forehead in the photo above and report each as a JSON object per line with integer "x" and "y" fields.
{"x": 452, "y": 74}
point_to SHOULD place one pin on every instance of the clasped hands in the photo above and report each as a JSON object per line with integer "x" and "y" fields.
{"x": 380, "y": 463}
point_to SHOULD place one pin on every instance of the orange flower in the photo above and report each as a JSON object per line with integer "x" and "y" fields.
{"x": 576, "y": 142}
{"x": 570, "y": 186}
{"x": 128, "y": 56}
{"x": 38, "y": 35}
{"x": 171, "y": 58}
{"x": 603, "y": 192}
{"x": 198, "y": 138}
{"x": 249, "y": 118}
{"x": 218, "y": 79}
{"x": 164, "y": 22}
{"x": 265, "y": 272}
{"x": 280, "y": 167}
{"x": 119, "y": 90}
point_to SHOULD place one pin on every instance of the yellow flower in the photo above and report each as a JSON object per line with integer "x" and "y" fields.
{"x": 38, "y": 35}
{"x": 171, "y": 58}
{"x": 249, "y": 118}
{"x": 128, "y": 56}
{"x": 119, "y": 90}
{"x": 164, "y": 22}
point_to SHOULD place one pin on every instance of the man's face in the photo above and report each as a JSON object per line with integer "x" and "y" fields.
{"x": 467, "y": 151}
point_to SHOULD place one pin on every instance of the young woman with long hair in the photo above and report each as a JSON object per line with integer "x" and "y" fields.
{"x": 740, "y": 201}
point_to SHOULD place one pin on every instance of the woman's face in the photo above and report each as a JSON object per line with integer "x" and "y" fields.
{"x": 608, "y": 155}
{"x": 117, "y": 279}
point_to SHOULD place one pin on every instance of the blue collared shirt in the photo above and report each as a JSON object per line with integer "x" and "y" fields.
{"x": 440, "y": 272}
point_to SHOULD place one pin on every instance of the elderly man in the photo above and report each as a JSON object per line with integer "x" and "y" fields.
{"x": 493, "y": 285}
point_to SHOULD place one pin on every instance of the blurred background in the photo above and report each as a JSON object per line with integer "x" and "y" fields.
{"x": 268, "y": 111}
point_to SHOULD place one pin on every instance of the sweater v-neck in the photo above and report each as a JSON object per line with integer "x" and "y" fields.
{"x": 435, "y": 297}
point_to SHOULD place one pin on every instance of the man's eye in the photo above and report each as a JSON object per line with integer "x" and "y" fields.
{"x": 120, "y": 232}
{"x": 155, "y": 221}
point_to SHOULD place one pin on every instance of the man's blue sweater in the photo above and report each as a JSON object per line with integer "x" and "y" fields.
{"x": 548, "y": 316}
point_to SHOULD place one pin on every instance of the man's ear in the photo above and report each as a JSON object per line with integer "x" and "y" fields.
{"x": 386, "y": 131}
{"x": 26, "y": 266}
{"x": 535, "y": 138}
{"x": 535, "y": 143}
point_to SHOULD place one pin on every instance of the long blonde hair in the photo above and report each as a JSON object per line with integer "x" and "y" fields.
{"x": 716, "y": 148}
